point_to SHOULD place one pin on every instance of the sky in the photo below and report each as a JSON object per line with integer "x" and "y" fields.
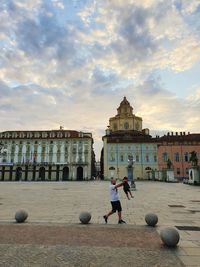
{"x": 70, "y": 63}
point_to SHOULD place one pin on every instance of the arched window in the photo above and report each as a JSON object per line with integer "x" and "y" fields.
{"x": 126, "y": 125}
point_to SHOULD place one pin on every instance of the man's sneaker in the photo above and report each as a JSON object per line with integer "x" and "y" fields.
{"x": 121, "y": 222}
{"x": 105, "y": 218}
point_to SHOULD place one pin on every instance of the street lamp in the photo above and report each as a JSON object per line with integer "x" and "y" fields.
{"x": 130, "y": 168}
{"x": 117, "y": 152}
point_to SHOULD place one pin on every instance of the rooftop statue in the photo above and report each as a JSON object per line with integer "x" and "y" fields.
{"x": 193, "y": 158}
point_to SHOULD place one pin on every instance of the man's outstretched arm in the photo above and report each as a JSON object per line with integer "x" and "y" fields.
{"x": 119, "y": 185}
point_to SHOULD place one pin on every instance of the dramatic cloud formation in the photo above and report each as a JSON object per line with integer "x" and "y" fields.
{"x": 71, "y": 62}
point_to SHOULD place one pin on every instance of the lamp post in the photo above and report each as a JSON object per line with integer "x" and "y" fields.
{"x": 1, "y": 148}
{"x": 117, "y": 143}
{"x": 130, "y": 168}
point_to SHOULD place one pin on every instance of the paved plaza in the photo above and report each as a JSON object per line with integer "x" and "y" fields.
{"x": 53, "y": 235}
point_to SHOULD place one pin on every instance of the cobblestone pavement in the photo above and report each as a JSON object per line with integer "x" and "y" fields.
{"x": 58, "y": 204}
{"x": 83, "y": 245}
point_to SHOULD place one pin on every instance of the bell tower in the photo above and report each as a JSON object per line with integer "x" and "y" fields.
{"x": 125, "y": 119}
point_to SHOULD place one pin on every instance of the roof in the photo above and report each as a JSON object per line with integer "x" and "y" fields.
{"x": 128, "y": 136}
{"x": 140, "y": 137}
{"x": 58, "y": 134}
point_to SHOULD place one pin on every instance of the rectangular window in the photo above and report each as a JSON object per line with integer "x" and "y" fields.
{"x": 178, "y": 171}
{"x": 137, "y": 158}
{"x": 58, "y": 157}
{"x": 147, "y": 158}
{"x": 155, "y": 158}
{"x": 121, "y": 158}
{"x": 186, "y": 156}
{"x": 187, "y": 171}
{"x": 112, "y": 158}
{"x": 176, "y": 157}
{"x": 165, "y": 156}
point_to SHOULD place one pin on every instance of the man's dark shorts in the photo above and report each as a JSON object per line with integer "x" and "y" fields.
{"x": 116, "y": 206}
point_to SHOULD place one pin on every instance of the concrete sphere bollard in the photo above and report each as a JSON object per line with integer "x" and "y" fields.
{"x": 151, "y": 219}
{"x": 85, "y": 217}
{"x": 170, "y": 236}
{"x": 21, "y": 216}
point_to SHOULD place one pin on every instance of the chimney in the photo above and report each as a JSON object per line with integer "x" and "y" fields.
{"x": 172, "y": 133}
{"x": 181, "y": 133}
{"x": 176, "y": 133}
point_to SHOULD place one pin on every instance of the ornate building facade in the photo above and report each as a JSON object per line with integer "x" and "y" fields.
{"x": 56, "y": 155}
{"x": 125, "y": 138}
{"x": 125, "y": 119}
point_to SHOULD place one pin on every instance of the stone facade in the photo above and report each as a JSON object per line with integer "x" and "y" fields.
{"x": 46, "y": 155}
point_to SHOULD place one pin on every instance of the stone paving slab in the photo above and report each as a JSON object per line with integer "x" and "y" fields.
{"x": 84, "y": 256}
{"x": 50, "y": 203}
{"x": 93, "y": 235}
{"x": 26, "y": 245}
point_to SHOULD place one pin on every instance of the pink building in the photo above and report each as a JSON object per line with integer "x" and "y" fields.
{"x": 177, "y": 148}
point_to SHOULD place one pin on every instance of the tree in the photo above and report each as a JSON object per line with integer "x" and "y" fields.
{"x": 193, "y": 158}
{"x": 169, "y": 164}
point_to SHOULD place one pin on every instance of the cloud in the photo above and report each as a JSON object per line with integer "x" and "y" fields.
{"x": 43, "y": 46}
{"x": 71, "y": 62}
{"x": 104, "y": 81}
{"x": 189, "y": 7}
{"x": 163, "y": 110}
{"x": 142, "y": 37}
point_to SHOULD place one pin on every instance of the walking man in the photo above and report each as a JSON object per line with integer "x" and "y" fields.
{"x": 115, "y": 202}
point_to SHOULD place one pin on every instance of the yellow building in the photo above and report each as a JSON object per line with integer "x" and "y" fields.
{"x": 125, "y": 119}
{"x": 124, "y": 139}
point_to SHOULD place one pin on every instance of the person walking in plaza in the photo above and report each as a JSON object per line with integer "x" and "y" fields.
{"x": 115, "y": 202}
{"x": 126, "y": 188}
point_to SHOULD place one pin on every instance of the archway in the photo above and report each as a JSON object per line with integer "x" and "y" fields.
{"x": 148, "y": 171}
{"x": 42, "y": 173}
{"x": 80, "y": 173}
{"x": 65, "y": 175}
{"x": 112, "y": 171}
{"x": 18, "y": 174}
{"x": 3, "y": 173}
{"x": 26, "y": 173}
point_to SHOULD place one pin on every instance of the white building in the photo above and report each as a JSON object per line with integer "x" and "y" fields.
{"x": 45, "y": 155}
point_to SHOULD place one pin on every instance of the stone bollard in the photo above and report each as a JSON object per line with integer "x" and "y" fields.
{"x": 21, "y": 216}
{"x": 170, "y": 236}
{"x": 151, "y": 219}
{"x": 85, "y": 217}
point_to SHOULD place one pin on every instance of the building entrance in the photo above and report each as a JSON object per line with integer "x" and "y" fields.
{"x": 65, "y": 174}
{"x": 79, "y": 173}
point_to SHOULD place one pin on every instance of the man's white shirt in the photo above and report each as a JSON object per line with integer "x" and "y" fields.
{"x": 113, "y": 193}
